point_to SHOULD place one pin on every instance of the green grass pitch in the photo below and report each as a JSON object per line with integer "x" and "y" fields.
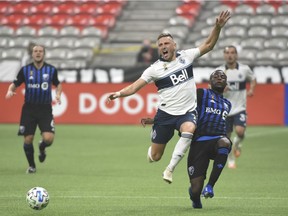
{"x": 102, "y": 170}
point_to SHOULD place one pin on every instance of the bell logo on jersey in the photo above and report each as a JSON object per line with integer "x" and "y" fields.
{"x": 176, "y": 79}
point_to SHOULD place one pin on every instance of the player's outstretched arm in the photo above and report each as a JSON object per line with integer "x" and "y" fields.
{"x": 210, "y": 42}
{"x": 129, "y": 90}
{"x": 11, "y": 91}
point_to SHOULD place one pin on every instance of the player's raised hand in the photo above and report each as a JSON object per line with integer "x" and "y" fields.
{"x": 222, "y": 18}
{"x": 113, "y": 96}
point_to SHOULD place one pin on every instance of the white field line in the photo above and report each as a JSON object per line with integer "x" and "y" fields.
{"x": 270, "y": 132}
{"x": 148, "y": 197}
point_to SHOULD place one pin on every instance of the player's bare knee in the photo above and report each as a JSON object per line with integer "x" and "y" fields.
{"x": 224, "y": 142}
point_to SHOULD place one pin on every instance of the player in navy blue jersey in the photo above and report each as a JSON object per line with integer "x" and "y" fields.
{"x": 37, "y": 108}
{"x": 210, "y": 140}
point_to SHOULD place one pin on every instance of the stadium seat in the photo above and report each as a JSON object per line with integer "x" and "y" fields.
{"x": 244, "y": 9}
{"x": 20, "y": 42}
{"x": 64, "y": 42}
{"x": 282, "y": 58}
{"x": 239, "y": 31}
{"x": 261, "y": 19}
{"x": 80, "y": 53}
{"x": 69, "y": 31}
{"x": 283, "y": 9}
{"x": 57, "y": 54}
{"x": 6, "y": 31}
{"x": 89, "y": 7}
{"x": 59, "y": 20}
{"x": 22, "y": 7}
{"x": 105, "y": 20}
{"x": 26, "y": 31}
{"x": 46, "y": 41}
{"x": 13, "y": 54}
{"x": 277, "y": 42}
{"x": 45, "y": 7}
{"x": 280, "y": 30}
{"x": 253, "y": 42}
{"x": 88, "y": 42}
{"x": 181, "y": 20}
{"x": 260, "y": 31}
{"x": 227, "y": 41}
{"x": 113, "y": 8}
{"x": 267, "y": 56}
{"x": 265, "y": 9}
{"x": 236, "y": 19}
{"x": 48, "y": 31}
{"x": 192, "y": 8}
{"x": 279, "y": 20}
{"x": 66, "y": 7}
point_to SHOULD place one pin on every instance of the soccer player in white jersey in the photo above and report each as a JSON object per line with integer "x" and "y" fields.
{"x": 238, "y": 75}
{"x": 173, "y": 76}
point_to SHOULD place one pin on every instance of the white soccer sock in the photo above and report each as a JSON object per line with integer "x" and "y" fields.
{"x": 180, "y": 149}
{"x": 149, "y": 156}
{"x": 236, "y": 142}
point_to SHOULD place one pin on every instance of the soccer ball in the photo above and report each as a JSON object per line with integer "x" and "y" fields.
{"x": 37, "y": 198}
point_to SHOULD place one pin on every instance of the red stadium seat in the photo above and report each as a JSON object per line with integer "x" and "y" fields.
{"x": 87, "y": 8}
{"x": 43, "y": 7}
{"x": 67, "y": 7}
{"x": 38, "y": 20}
{"x": 17, "y": 20}
{"x": 60, "y": 20}
{"x": 22, "y": 7}
{"x": 230, "y": 3}
{"x": 105, "y": 20}
{"x": 5, "y": 7}
{"x": 189, "y": 9}
{"x": 113, "y": 8}
{"x": 82, "y": 20}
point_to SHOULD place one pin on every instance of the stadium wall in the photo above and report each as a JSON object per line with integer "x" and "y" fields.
{"x": 86, "y": 104}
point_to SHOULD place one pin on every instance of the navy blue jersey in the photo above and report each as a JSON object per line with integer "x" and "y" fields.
{"x": 212, "y": 109}
{"x": 38, "y": 83}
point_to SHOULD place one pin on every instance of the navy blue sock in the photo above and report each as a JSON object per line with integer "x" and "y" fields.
{"x": 29, "y": 152}
{"x": 219, "y": 164}
{"x": 42, "y": 146}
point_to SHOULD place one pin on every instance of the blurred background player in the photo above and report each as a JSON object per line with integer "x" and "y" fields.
{"x": 147, "y": 54}
{"x": 173, "y": 76}
{"x": 37, "y": 109}
{"x": 27, "y": 57}
{"x": 237, "y": 77}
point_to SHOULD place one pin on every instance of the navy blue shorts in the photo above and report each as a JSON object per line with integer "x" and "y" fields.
{"x": 238, "y": 119}
{"x": 165, "y": 124}
{"x": 34, "y": 115}
{"x": 200, "y": 154}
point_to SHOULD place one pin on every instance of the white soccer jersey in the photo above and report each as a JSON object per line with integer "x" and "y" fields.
{"x": 175, "y": 82}
{"x": 237, "y": 79}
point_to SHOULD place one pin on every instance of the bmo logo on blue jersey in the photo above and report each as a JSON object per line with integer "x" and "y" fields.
{"x": 33, "y": 86}
{"x": 179, "y": 77}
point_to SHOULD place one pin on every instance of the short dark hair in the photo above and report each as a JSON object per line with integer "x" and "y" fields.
{"x": 231, "y": 46}
{"x": 164, "y": 35}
